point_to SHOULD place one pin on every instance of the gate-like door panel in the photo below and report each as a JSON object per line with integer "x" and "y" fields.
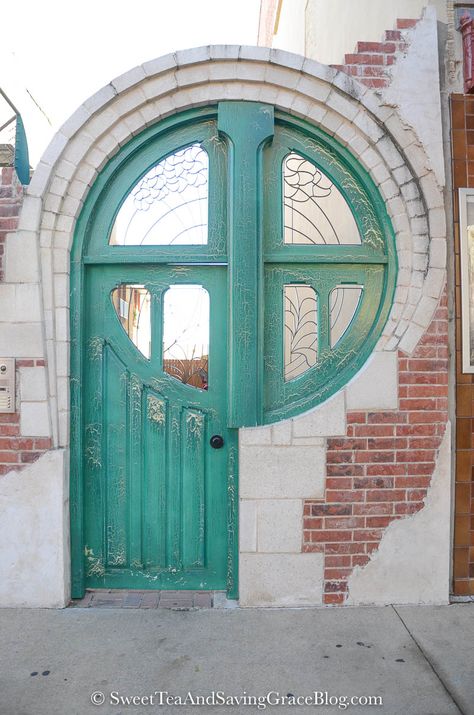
{"x": 155, "y": 489}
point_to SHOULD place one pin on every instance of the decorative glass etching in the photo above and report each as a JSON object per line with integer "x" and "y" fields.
{"x": 186, "y": 334}
{"x": 315, "y": 212}
{"x": 344, "y": 302}
{"x": 132, "y": 305}
{"x": 300, "y": 336}
{"x": 168, "y": 206}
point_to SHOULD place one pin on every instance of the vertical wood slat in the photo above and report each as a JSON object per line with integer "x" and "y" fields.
{"x": 193, "y": 487}
{"x": 155, "y": 426}
{"x": 116, "y": 472}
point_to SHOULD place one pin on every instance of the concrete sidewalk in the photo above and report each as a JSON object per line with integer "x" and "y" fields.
{"x": 418, "y": 659}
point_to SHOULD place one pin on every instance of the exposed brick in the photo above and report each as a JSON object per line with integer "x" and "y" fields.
{"x": 335, "y": 586}
{"x": 406, "y": 508}
{"x": 378, "y": 521}
{"x": 8, "y": 457}
{"x": 339, "y": 483}
{"x": 373, "y": 483}
{"x": 374, "y": 456}
{"x": 360, "y": 560}
{"x": 386, "y": 495}
{"x": 373, "y": 509}
{"x": 368, "y": 535}
{"x": 333, "y": 599}
{"x": 338, "y": 561}
{"x": 28, "y": 457}
{"x": 383, "y": 47}
{"x": 311, "y": 523}
{"x": 331, "y": 536}
{"x": 330, "y": 509}
{"x": 393, "y": 35}
{"x": 364, "y": 59}
{"x": 343, "y": 470}
{"x": 405, "y": 24}
{"x": 375, "y": 83}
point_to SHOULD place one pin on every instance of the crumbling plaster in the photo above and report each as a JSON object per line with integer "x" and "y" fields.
{"x": 412, "y": 562}
{"x": 34, "y": 535}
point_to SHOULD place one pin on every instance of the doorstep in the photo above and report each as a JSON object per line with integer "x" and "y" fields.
{"x": 176, "y": 600}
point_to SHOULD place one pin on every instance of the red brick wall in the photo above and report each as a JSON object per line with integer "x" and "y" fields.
{"x": 381, "y": 470}
{"x": 371, "y": 62}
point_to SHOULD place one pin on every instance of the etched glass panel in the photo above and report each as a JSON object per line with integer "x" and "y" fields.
{"x": 132, "y": 305}
{"x": 315, "y": 211}
{"x": 300, "y": 337}
{"x": 344, "y": 302}
{"x": 186, "y": 334}
{"x": 168, "y": 206}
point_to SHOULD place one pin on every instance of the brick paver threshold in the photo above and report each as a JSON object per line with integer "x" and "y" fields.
{"x": 177, "y": 600}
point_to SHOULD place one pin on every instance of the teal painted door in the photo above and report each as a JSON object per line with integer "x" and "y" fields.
{"x": 155, "y": 490}
{"x": 287, "y": 246}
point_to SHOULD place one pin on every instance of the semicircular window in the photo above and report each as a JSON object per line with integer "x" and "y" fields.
{"x": 169, "y": 205}
{"x": 315, "y": 210}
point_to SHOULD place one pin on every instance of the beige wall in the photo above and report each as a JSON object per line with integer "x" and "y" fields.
{"x": 333, "y": 27}
{"x": 291, "y": 27}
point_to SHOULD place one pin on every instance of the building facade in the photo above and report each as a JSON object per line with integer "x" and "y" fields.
{"x": 229, "y": 295}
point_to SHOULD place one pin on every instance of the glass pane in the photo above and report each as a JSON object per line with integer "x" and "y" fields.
{"x": 300, "y": 337}
{"x": 315, "y": 210}
{"x": 344, "y": 302}
{"x": 132, "y": 305}
{"x": 169, "y": 205}
{"x": 186, "y": 334}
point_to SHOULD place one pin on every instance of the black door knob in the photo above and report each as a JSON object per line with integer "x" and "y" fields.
{"x": 216, "y": 441}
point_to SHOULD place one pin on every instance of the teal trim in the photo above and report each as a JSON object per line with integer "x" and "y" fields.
{"x": 22, "y": 160}
{"x": 247, "y": 125}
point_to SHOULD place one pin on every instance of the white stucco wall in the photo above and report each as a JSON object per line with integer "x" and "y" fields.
{"x": 412, "y": 562}
{"x": 34, "y": 535}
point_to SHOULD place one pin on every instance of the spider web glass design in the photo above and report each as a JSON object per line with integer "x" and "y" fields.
{"x": 344, "y": 302}
{"x": 132, "y": 305}
{"x": 300, "y": 337}
{"x": 169, "y": 205}
{"x": 186, "y": 334}
{"x": 315, "y": 212}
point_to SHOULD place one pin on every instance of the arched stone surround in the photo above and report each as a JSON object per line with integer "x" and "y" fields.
{"x": 376, "y": 136}
{"x": 374, "y": 133}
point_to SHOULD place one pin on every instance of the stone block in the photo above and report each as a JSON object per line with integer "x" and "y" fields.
{"x": 281, "y": 472}
{"x": 278, "y": 580}
{"x": 281, "y": 432}
{"x": 34, "y": 419}
{"x": 342, "y": 106}
{"x": 375, "y": 387}
{"x": 255, "y": 435}
{"x": 248, "y": 525}
{"x": 128, "y": 79}
{"x": 33, "y": 384}
{"x": 327, "y": 420}
{"x": 22, "y": 340}
{"x": 279, "y": 526}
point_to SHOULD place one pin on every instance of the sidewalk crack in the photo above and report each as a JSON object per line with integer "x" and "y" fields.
{"x": 425, "y": 656}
